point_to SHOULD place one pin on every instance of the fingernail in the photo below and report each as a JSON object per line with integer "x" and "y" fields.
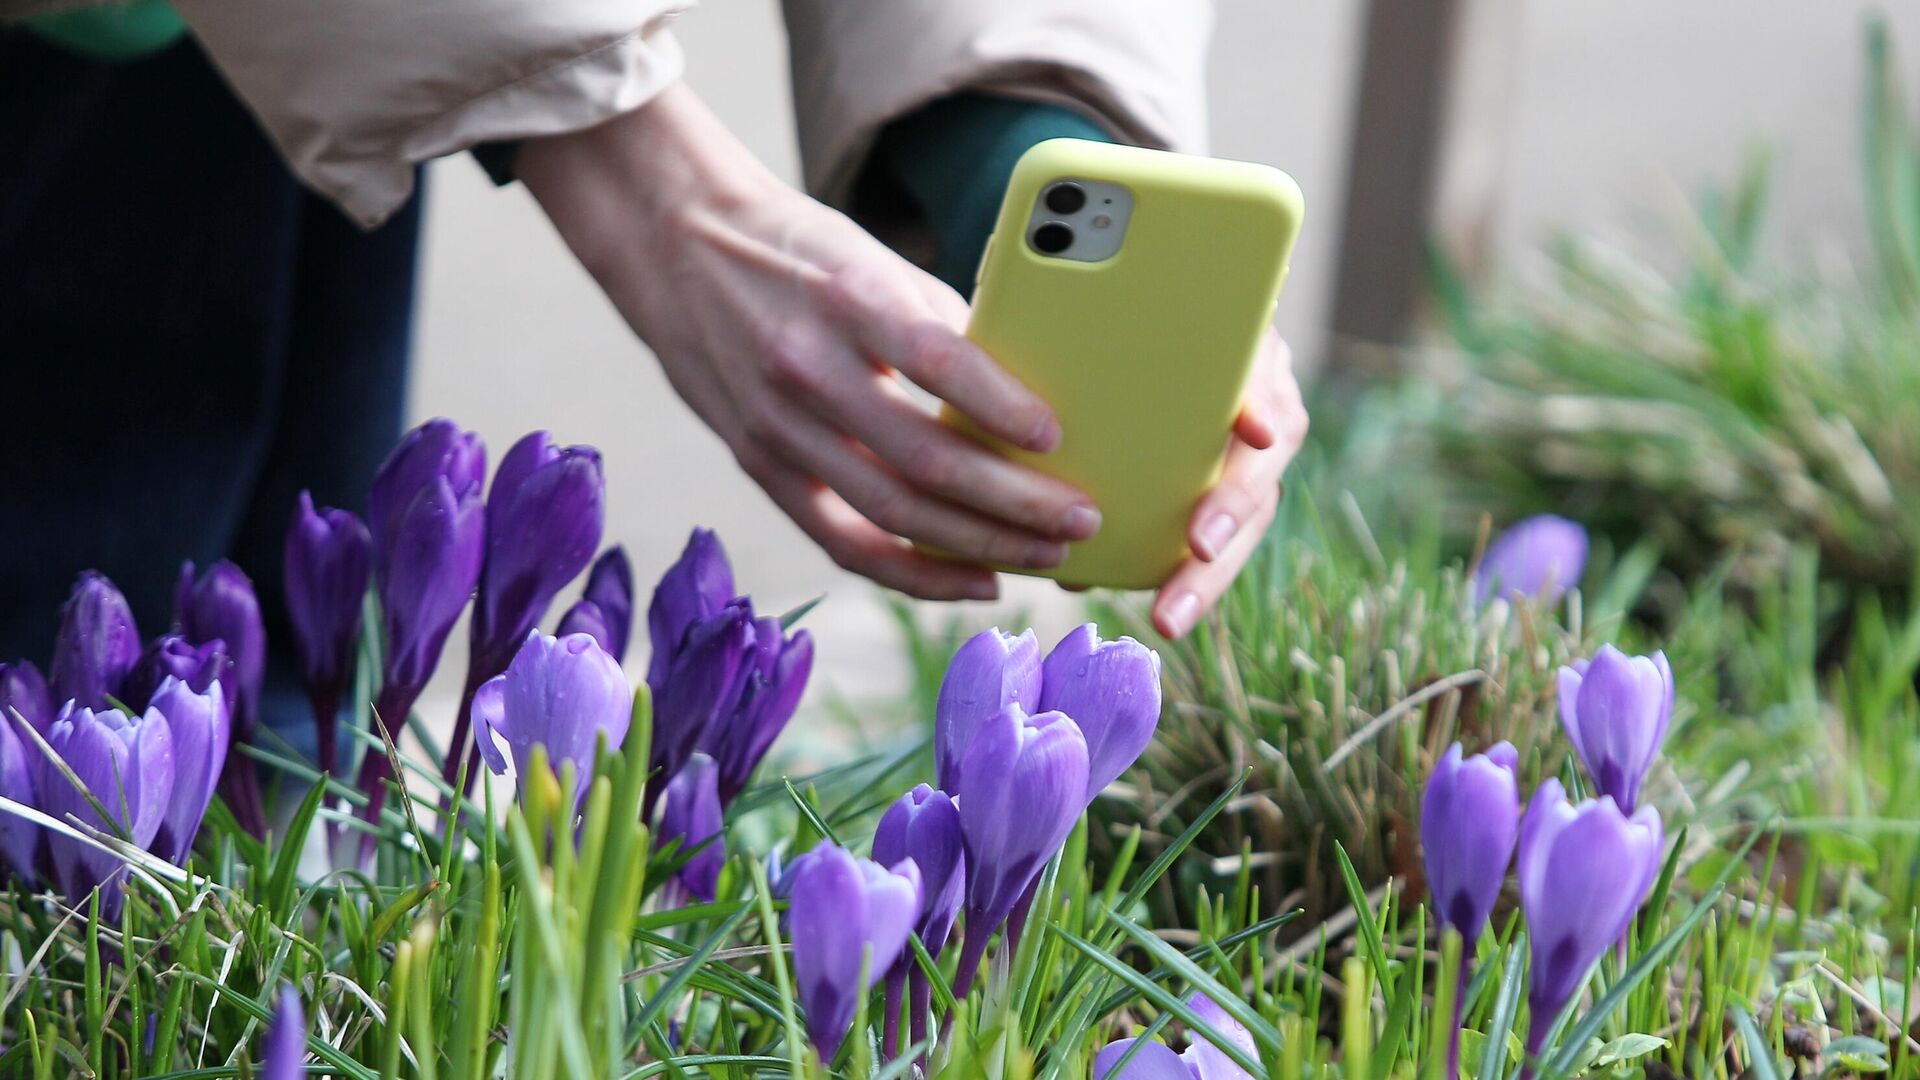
{"x": 1217, "y": 534}
{"x": 984, "y": 589}
{"x": 1042, "y": 554}
{"x": 1183, "y": 612}
{"x": 1045, "y": 437}
{"x": 1080, "y": 523}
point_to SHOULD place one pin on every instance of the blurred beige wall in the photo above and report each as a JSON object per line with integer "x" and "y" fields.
{"x": 1617, "y": 106}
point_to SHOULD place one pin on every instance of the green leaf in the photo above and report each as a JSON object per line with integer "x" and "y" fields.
{"x": 1626, "y": 1048}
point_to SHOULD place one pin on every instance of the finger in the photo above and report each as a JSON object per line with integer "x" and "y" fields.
{"x": 1259, "y": 422}
{"x": 898, "y": 329}
{"x": 861, "y": 547}
{"x": 888, "y": 501}
{"x": 1197, "y": 585}
{"x": 876, "y": 410}
{"x": 1249, "y": 486}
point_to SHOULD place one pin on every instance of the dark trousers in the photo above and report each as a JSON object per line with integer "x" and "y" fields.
{"x": 187, "y": 339}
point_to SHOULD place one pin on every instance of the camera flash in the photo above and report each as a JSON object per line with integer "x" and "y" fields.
{"x": 1101, "y": 221}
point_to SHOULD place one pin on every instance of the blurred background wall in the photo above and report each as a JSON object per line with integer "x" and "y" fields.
{"x": 1608, "y": 115}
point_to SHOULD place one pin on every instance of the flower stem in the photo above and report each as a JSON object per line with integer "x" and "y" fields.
{"x": 890, "y": 1041}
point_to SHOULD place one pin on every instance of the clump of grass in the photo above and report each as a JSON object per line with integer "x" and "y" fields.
{"x": 1731, "y": 406}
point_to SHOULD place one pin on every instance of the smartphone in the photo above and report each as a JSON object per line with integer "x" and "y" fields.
{"x": 1130, "y": 288}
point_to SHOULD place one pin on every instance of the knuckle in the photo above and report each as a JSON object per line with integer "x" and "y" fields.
{"x": 931, "y": 353}
{"x": 931, "y": 466}
{"x": 793, "y": 360}
{"x": 886, "y": 505}
{"x": 760, "y": 419}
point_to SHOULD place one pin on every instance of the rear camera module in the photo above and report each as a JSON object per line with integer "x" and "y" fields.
{"x": 1066, "y": 198}
{"x": 1052, "y": 238}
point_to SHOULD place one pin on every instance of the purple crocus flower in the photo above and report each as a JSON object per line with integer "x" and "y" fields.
{"x": 704, "y": 683}
{"x": 328, "y": 561}
{"x": 692, "y": 816}
{"x": 1031, "y": 787}
{"x": 607, "y": 601}
{"x": 429, "y": 536}
{"x": 544, "y": 515}
{"x": 1207, "y": 1061}
{"x": 1542, "y": 555}
{"x": 435, "y": 450}
{"x": 127, "y": 763}
{"x": 776, "y": 670}
{"x": 97, "y": 645}
{"x": 201, "y": 729}
{"x": 19, "y": 838}
{"x": 1111, "y": 689}
{"x": 221, "y": 606}
{"x": 24, "y": 691}
{"x": 172, "y": 656}
{"x": 990, "y": 672}
{"x": 560, "y": 693}
{"x": 1468, "y": 821}
{"x": 424, "y": 580}
{"x": 923, "y": 825}
{"x": 585, "y": 617}
{"x": 1584, "y": 871}
{"x": 1155, "y": 1061}
{"x": 1201, "y": 1061}
{"x": 286, "y": 1044}
{"x": 696, "y": 586}
{"x": 849, "y": 915}
{"x": 1616, "y": 709}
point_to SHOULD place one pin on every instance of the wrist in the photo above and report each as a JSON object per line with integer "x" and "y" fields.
{"x": 644, "y": 178}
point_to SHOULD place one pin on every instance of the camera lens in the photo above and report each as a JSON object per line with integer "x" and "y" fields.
{"x": 1052, "y": 238}
{"x": 1066, "y": 198}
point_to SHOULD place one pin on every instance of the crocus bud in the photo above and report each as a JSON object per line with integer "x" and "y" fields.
{"x": 1111, "y": 689}
{"x": 703, "y": 684}
{"x": 24, "y": 691}
{"x": 544, "y": 516}
{"x": 1584, "y": 871}
{"x": 172, "y": 656}
{"x": 1025, "y": 785}
{"x": 990, "y": 672}
{"x": 560, "y": 693}
{"x": 697, "y": 585}
{"x": 19, "y": 838}
{"x": 692, "y": 816}
{"x": 776, "y": 675}
{"x": 585, "y": 617}
{"x": 1542, "y": 556}
{"x": 127, "y": 763}
{"x": 1207, "y": 1061}
{"x": 1468, "y": 820}
{"x": 435, "y": 450}
{"x": 221, "y": 606}
{"x": 286, "y": 1044}
{"x": 201, "y": 728}
{"x": 424, "y": 580}
{"x": 848, "y": 914}
{"x": 1616, "y": 709}
{"x": 924, "y": 825}
{"x": 328, "y": 561}
{"x": 610, "y": 590}
{"x": 1154, "y": 1061}
{"x": 97, "y": 643}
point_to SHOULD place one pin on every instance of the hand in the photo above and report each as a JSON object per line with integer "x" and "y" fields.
{"x": 788, "y": 329}
{"x": 1231, "y": 519}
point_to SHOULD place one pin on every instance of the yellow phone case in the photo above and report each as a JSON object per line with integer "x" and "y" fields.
{"x": 1145, "y": 355}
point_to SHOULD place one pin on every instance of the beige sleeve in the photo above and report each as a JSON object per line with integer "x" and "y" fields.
{"x": 1135, "y": 66}
{"x": 355, "y": 93}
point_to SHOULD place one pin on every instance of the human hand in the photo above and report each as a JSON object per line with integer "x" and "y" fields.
{"x": 1230, "y": 520}
{"x": 789, "y": 329}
